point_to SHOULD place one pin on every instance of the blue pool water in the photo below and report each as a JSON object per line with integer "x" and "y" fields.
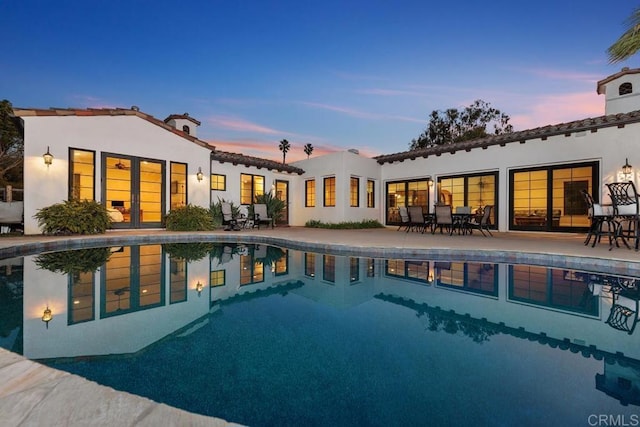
{"x": 317, "y": 340}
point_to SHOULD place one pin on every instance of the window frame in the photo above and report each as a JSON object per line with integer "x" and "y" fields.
{"x": 371, "y": 193}
{"x": 224, "y": 181}
{"x": 329, "y": 202}
{"x": 354, "y": 192}
{"x": 310, "y": 196}
{"x": 71, "y": 170}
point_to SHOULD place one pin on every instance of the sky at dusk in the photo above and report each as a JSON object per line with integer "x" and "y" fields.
{"x": 335, "y": 74}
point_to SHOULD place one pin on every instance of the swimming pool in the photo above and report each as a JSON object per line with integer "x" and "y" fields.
{"x": 263, "y": 335}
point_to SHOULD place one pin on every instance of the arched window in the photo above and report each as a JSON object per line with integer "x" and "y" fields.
{"x": 625, "y": 89}
{"x": 186, "y": 129}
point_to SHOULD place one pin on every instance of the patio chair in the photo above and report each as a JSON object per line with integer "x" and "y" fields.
{"x": 443, "y": 219}
{"x": 624, "y": 311}
{"x": 416, "y": 219}
{"x": 260, "y": 215}
{"x": 404, "y": 217}
{"x": 484, "y": 223}
{"x": 229, "y": 220}
{"x": 598, "y": 217}
{"x": 626, "y": 211}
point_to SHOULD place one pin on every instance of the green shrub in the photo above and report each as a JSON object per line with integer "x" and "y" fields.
{"x": 189, "y": 218}
{"x": 216, "y": 211}
{"x": 74, "y": 217}
{"x": 347, "y": 225}
{"x": 188, "y": 251}
{"x": 74, "y": 262}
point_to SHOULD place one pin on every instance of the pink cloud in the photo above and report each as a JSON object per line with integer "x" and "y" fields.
{"x": 360, "y": 114}
{"x": 240, "y": 125}
{"x": 564, "y": 75}
{"x": 554, "y": 109}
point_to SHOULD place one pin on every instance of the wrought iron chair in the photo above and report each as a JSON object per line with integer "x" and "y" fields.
{"x": 598, "y": 216}
{"x": 626, "y": 211}
{"x": 624, "y": 311}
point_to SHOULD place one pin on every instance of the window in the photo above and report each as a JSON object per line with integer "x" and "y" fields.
{"x": 309, "y": 264}
{"x": 354, "y": 269}
{"x": 371, "y": 194}
{"x": 251, "y": 270}
{"x": 475, "y": 191}
{"x": 281, "y": 266}
{"x": 329, "y": 268}
{"x": 178, "y": 280}
{"x": 217, "y": 278}
{"x": 330, "y": 191}
{"x": 178, "y": 185}
{"x": 354, "y": 192}
{"x": 81, "y": 174}
{"x": 186, "y": 129}
{"x": 406, "y": 193}
{"x": 218, "y": 182}
{"x": 549, "y": 198}
{"x": 310, "y": 193}
{"x": 81, "y": 297}
{"x": 250, "y": 187}
{"x": 625, "y": 89}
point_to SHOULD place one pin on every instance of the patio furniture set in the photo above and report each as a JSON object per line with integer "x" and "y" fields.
{"x": 619, "y": 221}
{"x": 236, "y": 222}
{"x": 461, "y": 221}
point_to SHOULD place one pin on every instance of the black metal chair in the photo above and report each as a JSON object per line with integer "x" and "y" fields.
{"x": 598, "y": 217}
{"x": 624, "y": 317}
{"x": 626, "y": 211}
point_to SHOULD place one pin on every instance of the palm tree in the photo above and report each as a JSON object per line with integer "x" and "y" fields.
{"x": 308, "y": 149}
{"x": 284, "y": 147}
{"x": 629, "y": 42}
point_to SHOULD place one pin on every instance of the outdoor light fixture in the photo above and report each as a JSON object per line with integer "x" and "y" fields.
{"x": 430, "y": 181}
{"x": 48, "y": 157}
{"x": 627, "y": 169}
{"x": 200, "y": 175}
{"x": 47, "y": 316}
{"x": 199, "y": 287}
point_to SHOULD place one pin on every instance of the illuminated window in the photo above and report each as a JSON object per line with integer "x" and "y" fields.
{"x": 250, "y": 187}
{"x": 371, "y": 194}
{"x": 330, "y": 191}
{"x": 178, "y": 184}
{"x": 310, "y": 264}
{"x": 218, "y": 182}
{"x": 178, "y": 280}
{"x": 81, "y": 175}
{"x": 354, "y": 269}
{"x": 329, "y": 268}
{"x": 310, "y": 193}
{"x": 354, "y": 192}
{"x": 217, "y": 278}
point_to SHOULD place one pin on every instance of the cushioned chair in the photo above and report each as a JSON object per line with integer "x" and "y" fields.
{"x": 416, "y": 219}
{"x": 229, "y": 220}
{"x": 626, "y": 211}
{"x": 598, "y": 217}
{"x": 404, "y": 218}
{"x": 260, "y": 215}
{"x": 443, "y": 219}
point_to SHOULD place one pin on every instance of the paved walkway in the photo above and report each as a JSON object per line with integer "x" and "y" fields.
{"x": 33, "y": 395}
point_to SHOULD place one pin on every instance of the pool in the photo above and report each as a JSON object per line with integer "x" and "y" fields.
{"x": 265, "y": 335}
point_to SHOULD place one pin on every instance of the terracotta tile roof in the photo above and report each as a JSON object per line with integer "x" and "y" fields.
{"x": 134, "y": 111}
{"x": 185, "y": 116}
{"x": 241, "y": 159}
{"x": 566, "y": 129}
{"x": 624, "y": 71}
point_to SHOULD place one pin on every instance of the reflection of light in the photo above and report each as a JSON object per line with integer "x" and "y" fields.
{"x": 144, "y": 291}
{"x": 76, "y": 302}
{"x": 313, "y": 274}
{"x": 199, "y": 287}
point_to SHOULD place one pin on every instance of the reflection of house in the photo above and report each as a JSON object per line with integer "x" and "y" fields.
{"x": 533, "y": 177}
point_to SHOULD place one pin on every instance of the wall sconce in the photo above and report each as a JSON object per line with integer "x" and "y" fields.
{"x": 48, "y": 157}
{"x": 199, "y": 287}
{"x": 200, "y": 175}
{"x": 430, "y": 181}
{"x": 627, "y": 169}
{"x": 47, "y": 316}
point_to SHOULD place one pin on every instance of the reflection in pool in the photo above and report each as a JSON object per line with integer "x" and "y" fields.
{"x": 262, "y": 335}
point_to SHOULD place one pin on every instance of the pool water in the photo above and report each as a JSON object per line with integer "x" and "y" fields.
{"x": 282, "y": 337}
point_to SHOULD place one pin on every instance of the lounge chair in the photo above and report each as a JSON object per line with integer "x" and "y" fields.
{"x": 260, "y": 215}
{"x": 229, "y": 220}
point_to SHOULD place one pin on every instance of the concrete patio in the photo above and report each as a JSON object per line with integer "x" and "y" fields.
{"x": 33, "y": 394}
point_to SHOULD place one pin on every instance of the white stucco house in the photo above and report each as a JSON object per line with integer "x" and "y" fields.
{"x": 142, "y": 167}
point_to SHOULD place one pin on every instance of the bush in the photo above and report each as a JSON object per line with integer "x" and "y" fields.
{"x": 74, "y": 217}
{"x": 189, "y": 218}
{"x": 347, "y": 225}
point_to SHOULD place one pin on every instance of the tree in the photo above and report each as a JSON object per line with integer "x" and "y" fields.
{"x": 308, "y": 149}
{"x": 284, "y": 147}
{"x": 11, "y": 146}
{"x": 453, "y": 125}
{"x": 629, "y": 42}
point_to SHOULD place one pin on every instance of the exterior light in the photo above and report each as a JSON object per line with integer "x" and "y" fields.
{"x": 627, "y": 169}
{"x": 200, "y": 175}
{"x": 48, "y": 157}
{"x": 47, "y": 316}
{"x": 199, "y": 287}
{"x": 430, "y": 181}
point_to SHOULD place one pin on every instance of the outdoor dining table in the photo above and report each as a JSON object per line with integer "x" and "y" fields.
{"x": 462, "y": 220}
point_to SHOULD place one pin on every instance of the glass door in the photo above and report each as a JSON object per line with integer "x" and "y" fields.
{"x": 282, "y": 193}
{"x": 134, "y": 187}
